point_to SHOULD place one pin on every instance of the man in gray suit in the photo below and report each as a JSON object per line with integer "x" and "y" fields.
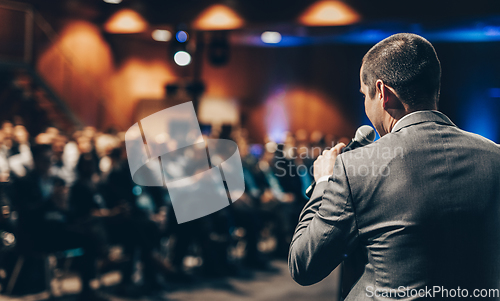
{"x": 422, "y": 203}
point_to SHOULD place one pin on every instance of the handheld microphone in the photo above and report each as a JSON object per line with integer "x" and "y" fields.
{"x": 365, "y": 135}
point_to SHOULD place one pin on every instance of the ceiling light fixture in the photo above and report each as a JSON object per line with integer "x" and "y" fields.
{"x": 161, "y": 35}
{"x": 181, "y": 36}
{"x": 182, "y": 58}
{"x": 126, "y": 21}
{"x": 329, "y": 13}
{"x": 270, "y": 37}
{"x": 218, "y": 17}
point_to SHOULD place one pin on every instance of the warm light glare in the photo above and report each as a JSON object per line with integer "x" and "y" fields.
{"x": 138, "y": 79}
{"x": 113, "y": 1}
{"x": 126, "y": 21}
{"x": 270, "y": 37}
{"x": 81, "y": 45}
{"x": 218, "y": 17}
{"x": 285, "y": 110}
{"x": 161, "y": 35}
{"x": 329, "y": 13}
{"x": 182, "y": 58}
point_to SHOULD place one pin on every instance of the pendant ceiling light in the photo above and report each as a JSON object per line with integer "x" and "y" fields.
{"x": 126, "y": 21}
{"x": 329, "y": 13}
{"x": 218, "y": 17}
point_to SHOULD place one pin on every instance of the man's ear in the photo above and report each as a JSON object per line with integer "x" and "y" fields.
{"x": 388, "y": 96}
{"x": 379, "y": 89}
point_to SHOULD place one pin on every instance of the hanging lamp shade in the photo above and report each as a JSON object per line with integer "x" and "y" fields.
{"x": 126, "y": 21}
{"x": 329, "y": 13}
{"x": 218, "y": 17}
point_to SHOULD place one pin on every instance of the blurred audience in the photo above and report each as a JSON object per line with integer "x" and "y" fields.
{"x": 62, "y": 191}
{"x": 45, "y": 223}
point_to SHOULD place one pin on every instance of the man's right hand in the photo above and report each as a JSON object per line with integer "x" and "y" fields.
{"x": 323, "y": 166}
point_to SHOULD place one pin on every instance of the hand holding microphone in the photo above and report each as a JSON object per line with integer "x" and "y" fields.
{"x": 365, "y": 135}
{"x": 323, "y": 166}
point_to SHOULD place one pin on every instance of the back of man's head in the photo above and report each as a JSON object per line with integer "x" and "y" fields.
{"x": 42, "y": 155}
{"x": 407, "y": 63}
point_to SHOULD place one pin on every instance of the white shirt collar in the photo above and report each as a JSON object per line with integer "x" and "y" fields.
{"x": 395, "y": 125}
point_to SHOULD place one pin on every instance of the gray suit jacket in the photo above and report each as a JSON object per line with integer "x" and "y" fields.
{"x": 423, "y": 202}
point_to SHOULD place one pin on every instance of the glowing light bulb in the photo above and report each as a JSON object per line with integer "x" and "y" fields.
{"x": 182, "y": 58}
{"x": 182, "y": 36}
{"x": 218, "y": 17}
{"x": 126, "y": 21}
{"x": 329, "y": 13}
{"x": 270, "y": 37}
{"x": 161, "y": 35}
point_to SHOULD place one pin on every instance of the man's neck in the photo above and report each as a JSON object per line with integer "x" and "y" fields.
{"x": 392, "y": 117}
{"x": 395, "y": 115}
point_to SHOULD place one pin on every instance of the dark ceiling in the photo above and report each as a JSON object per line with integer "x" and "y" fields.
{"x": 269, "y": 12}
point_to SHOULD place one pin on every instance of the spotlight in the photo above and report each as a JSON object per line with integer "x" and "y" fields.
{"x": 270, "y": 37}
{"x": 113, "y": 1}
{"x": 161, "y": 35}
{"x": 182, "y": 36}
{"x": 182, "y": 58}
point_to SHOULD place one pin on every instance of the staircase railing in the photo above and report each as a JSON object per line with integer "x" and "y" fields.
{"x": 38, "y": 35}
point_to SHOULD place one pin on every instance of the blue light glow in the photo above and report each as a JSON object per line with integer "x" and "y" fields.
{"x": 485, "y": 34}
{"x": 370, "y": 36}
{"x": 181, "y": 36}
{"x": 256, "y": 150}
{"x": 276, "y": 117}
{"x": 137, "y": 190}
{"x": 495, "y": 92}
{"x": 480, "y": 117}
{"x": 479, "y": 30}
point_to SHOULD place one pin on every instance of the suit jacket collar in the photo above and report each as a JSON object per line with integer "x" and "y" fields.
{"x": 420, "y": 117}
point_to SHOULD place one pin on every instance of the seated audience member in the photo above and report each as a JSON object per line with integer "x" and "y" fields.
{"x": 60, "y": 166}
{"x": 19, "y": 153}
{"x": 276, "y": 206}
{"x": 44, "y": 224}
{"x": 4, "y": 163}
{"x": 128, "y": 225}
{"x": 86, "y": 204}
{"x": 246, "y": 213}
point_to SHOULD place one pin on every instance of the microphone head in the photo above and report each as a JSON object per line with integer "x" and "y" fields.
{"x": 365, "y": 135}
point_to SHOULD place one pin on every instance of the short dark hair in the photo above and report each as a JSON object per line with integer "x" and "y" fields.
{"x": 37, "y": 150}
{"x": 407, "y": 63}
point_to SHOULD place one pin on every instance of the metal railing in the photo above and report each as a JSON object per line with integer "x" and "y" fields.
{"x": 76, "y": 88}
